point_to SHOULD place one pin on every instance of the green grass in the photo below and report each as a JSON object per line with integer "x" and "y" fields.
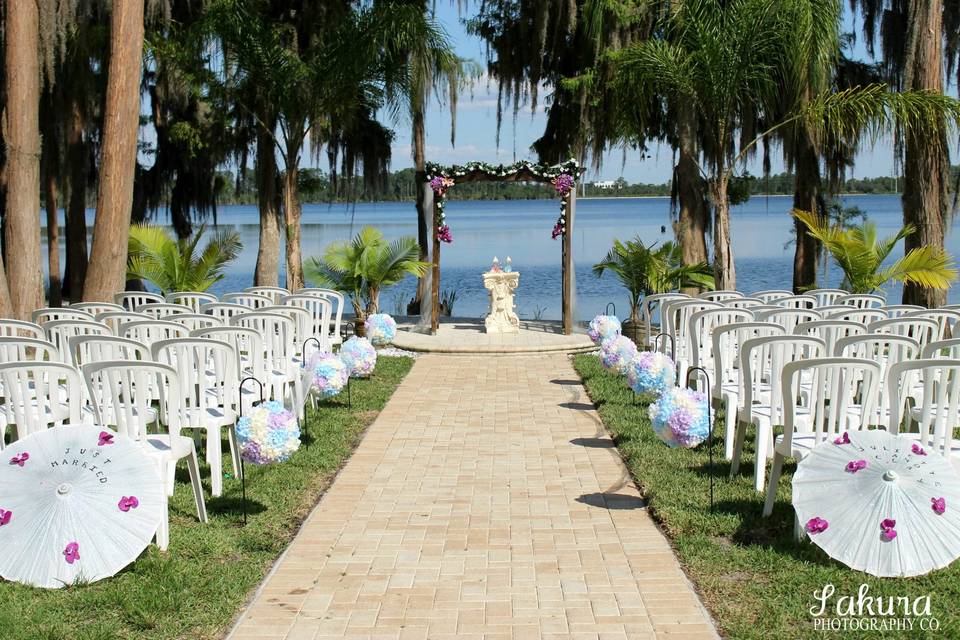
{"x": 195, "y": 588}
{"x": 755, "y": 579}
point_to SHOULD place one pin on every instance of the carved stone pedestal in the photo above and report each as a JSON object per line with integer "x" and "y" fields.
{"x": 501, "y": 286}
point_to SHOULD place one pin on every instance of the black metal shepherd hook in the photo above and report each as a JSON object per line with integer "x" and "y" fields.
{"x": 706, "y": 376}
{"x": 656, "y": 343}
{"x": 243, "y": 475}
{"x": 606, "y": 311}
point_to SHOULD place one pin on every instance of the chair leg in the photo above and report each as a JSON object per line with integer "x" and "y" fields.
{"x": 774, "y": 481}
{"x": 171, "y": 478}
{"x": 215, "y": 459}
{"x": 741, "y": 434}
{"x": 729, "y": 435}
{"x": 194, "y": 469}
{"x": 234, "y": 449}
{"x": 163, "y": 530}
{"x": 798, "y": 531}
{"x": 760, "y": 464}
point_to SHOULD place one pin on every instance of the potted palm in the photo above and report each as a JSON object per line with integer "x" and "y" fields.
{"x": 364, "y": 267}
{"x": 860, "y": 255}
{"x": 646, "y": 270}
{"x": 172, "y": 264}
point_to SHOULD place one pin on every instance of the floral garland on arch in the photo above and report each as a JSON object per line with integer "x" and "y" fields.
{"x": 562, "y": 176}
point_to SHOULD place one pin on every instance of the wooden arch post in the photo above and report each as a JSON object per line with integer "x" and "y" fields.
{"x": 435, "y": 280}
{"x": 567, "y": 264}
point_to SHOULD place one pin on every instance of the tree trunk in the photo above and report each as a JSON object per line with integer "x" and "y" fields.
{"x": 75, "y": 212}
{"x": 267, "y": 273}
{"x": 21, "y": 132}
{"x": 53, "y": 225}
{"x": 691, "y": 228}
{"x": 291, "y": 210}
{"x": 724, "y": 271}
{"x": 419, "y": 166}
{"x": 121, "y": 120}
{"x": 926, "y": 156}
{"x": 806, "y": 192}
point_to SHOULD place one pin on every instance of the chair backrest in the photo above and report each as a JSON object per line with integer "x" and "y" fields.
{"x": 27, "y": 350}
{"x": 224, "y": 310}
{"x": 829, "y": 331}
{"x": 41, "y": 394}
{"x": 278, "y": 333}
{"x": 862, "y": 300}
{"x": 207, "y": 368}
{"x": 940, "y": 405}
{"x": 60, "y": 331}
{"x": 836, "y": 385}
{"x": 274, "y": 293}
{"x": 941, "y": 349}
{"x": 149, "y": 331}
{"x": 52, "y": 314}
{"x": 192, "y": 299}
{"x": 826, "y": 296}
{"x": 96, "y": 308}
{"x": 303, "y": 319}
{"x": 655, "y": 302}
{"x": 248, "y": 344}
{"x": 130, "y": 300}
{"x": 727, "y": 339}
{"x": 319, "y": 310}
{"x": 761, "y": 365}
{"x": 923, "y": 330}
{"x": 797, "y": 302}
{"x": 194, "y": 321}
{"x": 86, "y": 349}
{"x": 863, "y": 316}
{"x": 114, "y": 319}
{"x": 160, "y": 310}
{"x": 788, "y": 318}
{"x": 678, "y": 320}
{"x": 900, "y": 310}
{"x": 336, "y": 300}
{"x": 720, "y": 296}
{"x": 122, "y": 394}
{"x": 945, "y": 318}
{"x": 884, "y": 349}
{"x": 11, "y": 328}
{"x": 249, "y": 300}
{"x": 700, "y": 332}
{"x": 770, "y": 296}
{"x": 743, "y": 303}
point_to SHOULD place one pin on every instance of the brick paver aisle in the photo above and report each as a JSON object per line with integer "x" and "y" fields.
{"x": 486, "y": 501}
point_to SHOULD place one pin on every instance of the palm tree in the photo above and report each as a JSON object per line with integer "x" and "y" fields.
{"x": 364, "y": 267}
{"x": 860, "y": 254}
{"x": 174, "y": 264}
{"x": 646, "y": 270}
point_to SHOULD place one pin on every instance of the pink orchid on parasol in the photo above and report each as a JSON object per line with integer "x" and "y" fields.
{"x": 77, "y": 504}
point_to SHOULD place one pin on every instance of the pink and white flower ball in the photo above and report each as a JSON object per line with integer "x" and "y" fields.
{"x": 680, "y": 417}
{"x": 603, "y": 328}
{"x": 381, "y": 329}
{"x": 616, "y": 353}
{"x": 269, "y": 434}
{"x": 651, "y": 372}
{"x": 359, "y": 356}
{"x": 326, "y": 374}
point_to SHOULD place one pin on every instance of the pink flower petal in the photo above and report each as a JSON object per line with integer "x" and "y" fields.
{"x": 816, "y": 525}
{"x": 71, "y": 553}
{"x": 105, "y": 438}
{"x": 939, "y": 505}
{"x": 844, "y": 439}
{"x": 856, "y": 465}
{"x": 5, "y": 516}
{"x": 917, "y": 449}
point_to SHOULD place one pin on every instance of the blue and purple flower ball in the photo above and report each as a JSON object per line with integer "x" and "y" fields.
{"x": 651, "y": 372}
{"x": 269, "y": 434}
{"x": 603, "y": 328}
{"x": 617, "y": 352}
{"x": 359, "y": 356}
{"x": 681, "y": 417}
{"x": 381, "y": 329}
{"x": 326, "y": 374}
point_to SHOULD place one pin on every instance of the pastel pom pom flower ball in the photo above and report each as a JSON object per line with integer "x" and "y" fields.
{"x": 651, "y": 372}
{"x": 680, "y": 417}
{"x": 603, "y": 328}
{"x": 381, "y": 329}
{"x": 359, "y": 356}
{"x": 617, "y": 352}
{"x": 326, "y": 374}
{"x": 269, "y": 434}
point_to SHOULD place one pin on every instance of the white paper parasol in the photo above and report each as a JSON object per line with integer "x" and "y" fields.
{"x": 880, "y": 503}
{"x": 79, "y": 504}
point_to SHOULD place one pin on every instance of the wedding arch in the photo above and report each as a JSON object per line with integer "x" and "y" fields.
{"x": 437, "y": 180}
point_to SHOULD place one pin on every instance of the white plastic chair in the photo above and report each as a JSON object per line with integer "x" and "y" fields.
{"x": 60, "y": 331}
{"x": 884, "y": 349}
{"x": 303, "y": 320}
{"x": 208, "y": 380}
{"x": 162, "y": 310}
{"x": 123, "y": 393}
{"x": 726, "y": 369}
{"x": 941, "y": 349}
{"x": 743, "y": 303}
{"x": 250, "y": 300}
{"x": 250, "y": 358}
{"x": 923, "y": 330}
{"x": 862, "y": 300}
{"x": 27, "y": 350}
{"x": 274, "y": 293}
{"x": 91, "y": 348}
{"x": 938, "y": 413}
{"x": 677, "y": 318}
{"x": 761, "y": 363}
{"x": 797, "y": 302}
{"x": 130, "y": 300}
{"x": 223, "y": 311}
{"x": 337, "y": 303}
{"x": 652, "y": 304}
{"x": 830, "y": 331}
{"x": 720, "y": 296}
{"x": 945, "y": 318}
{"x": 827, "y": 296}
{"x": 96, "y": 308}
{"x": 900, "y": 310}
{"x": 788, "y": 318}
{"x": 192, "y": 299}
{"x": 835, "y": 385}
{"x": 770, "y": 296}
{"x": 194, "y": 321}
{"x": 10, "y": 328}
{"x": 149, "y": 331}
{"x": 863, "y": 316}
{"x": 319, "y": 309}
{"x": 279, "y": 352}
{"x": 700, "y": 334}
{"x": 38, "y": 395}
{"x": 114, "y": 319}
{"x": 52, "y": 314}
{"x": 830, "y": 309}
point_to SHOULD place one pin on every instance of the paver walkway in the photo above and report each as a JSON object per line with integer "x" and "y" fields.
{"x": 485, "y": 502}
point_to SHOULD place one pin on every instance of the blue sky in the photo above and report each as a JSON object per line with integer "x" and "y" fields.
{"x": 476, "y": 125}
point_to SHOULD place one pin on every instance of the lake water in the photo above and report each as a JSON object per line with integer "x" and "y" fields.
{"x": 521, "y": 230}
